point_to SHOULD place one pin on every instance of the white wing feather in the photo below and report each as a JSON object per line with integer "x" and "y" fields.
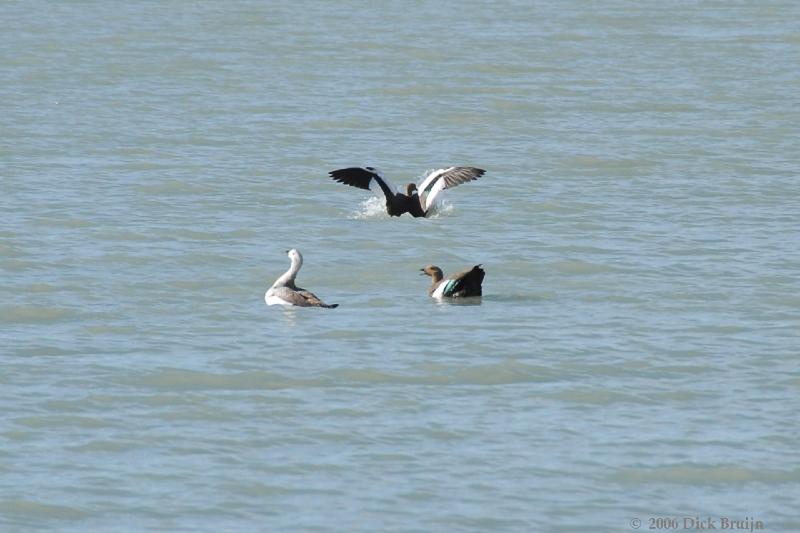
{"x": 430, "y": 198}
{"x": 438, "y": 293}
{"x": 427, "y": 189}
{"x": 432, "y": 176}
{"x": 375, "y": 187}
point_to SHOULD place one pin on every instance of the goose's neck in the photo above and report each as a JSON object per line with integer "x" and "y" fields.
{"x": 288, "y": 277}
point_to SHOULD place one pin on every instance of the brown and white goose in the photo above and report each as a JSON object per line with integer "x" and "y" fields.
{"x": 463, "y": 284}
{"x": 418, "y": 199}
{"x": 285, "y": 292}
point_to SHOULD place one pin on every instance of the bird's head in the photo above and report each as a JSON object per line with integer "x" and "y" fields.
{"x": 432, "y": 271}
{"x": 294, "y": 255}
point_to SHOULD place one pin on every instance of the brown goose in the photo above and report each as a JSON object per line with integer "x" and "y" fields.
{"x": 467, "y": 283}
{"x": 285, "y": 292}
{"x": 417, "y": 200}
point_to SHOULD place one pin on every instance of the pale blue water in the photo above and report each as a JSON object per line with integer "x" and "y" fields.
{"x": 635, "y": 354}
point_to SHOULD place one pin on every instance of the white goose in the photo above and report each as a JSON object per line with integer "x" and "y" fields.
{"x": 285, "y": 292}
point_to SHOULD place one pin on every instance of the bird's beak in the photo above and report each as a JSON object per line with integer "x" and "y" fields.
{"x": 286, "y": 251}
{"x": 422, "y": 271}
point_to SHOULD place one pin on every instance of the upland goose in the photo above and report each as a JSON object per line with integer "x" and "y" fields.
{"x": 467, "y": 283}
{"x": 417, "y": 200}
{"x": 285, "y": 292}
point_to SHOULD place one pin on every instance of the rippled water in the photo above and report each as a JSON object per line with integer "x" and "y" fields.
{"x": 635, "y": 354}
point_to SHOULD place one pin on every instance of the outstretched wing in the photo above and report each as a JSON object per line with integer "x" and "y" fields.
{"x": 367, "y": 178}
{"x": 444, "y": 178}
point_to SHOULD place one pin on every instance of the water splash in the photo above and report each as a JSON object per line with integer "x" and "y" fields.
{"x": 372, "y": 207}
{"x": 441, "y": 207}
{"x": 375, "y": 208}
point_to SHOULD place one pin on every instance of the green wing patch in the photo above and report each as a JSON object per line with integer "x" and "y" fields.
{"x": 449, "y": 287}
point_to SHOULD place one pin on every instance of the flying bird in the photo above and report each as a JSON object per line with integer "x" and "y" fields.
{"x": 418, "y": 199}
{"x": 285, "y": 292}
{"x": 463, "y": 284}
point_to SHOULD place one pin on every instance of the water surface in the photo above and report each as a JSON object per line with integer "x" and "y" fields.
{"x": 635, "y": 353}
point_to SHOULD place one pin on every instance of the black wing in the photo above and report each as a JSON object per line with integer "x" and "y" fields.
{"x": 355, "y": 176}
{"x": 362, "y": 178}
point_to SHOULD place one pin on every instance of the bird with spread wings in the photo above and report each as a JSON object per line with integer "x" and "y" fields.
{"x": 418, "y": 200}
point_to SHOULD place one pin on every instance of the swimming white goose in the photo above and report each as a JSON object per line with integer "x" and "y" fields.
{"x": 285, "y": 292}
{"x": 463, "y": 284}
{"x": 417, "y": 200}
